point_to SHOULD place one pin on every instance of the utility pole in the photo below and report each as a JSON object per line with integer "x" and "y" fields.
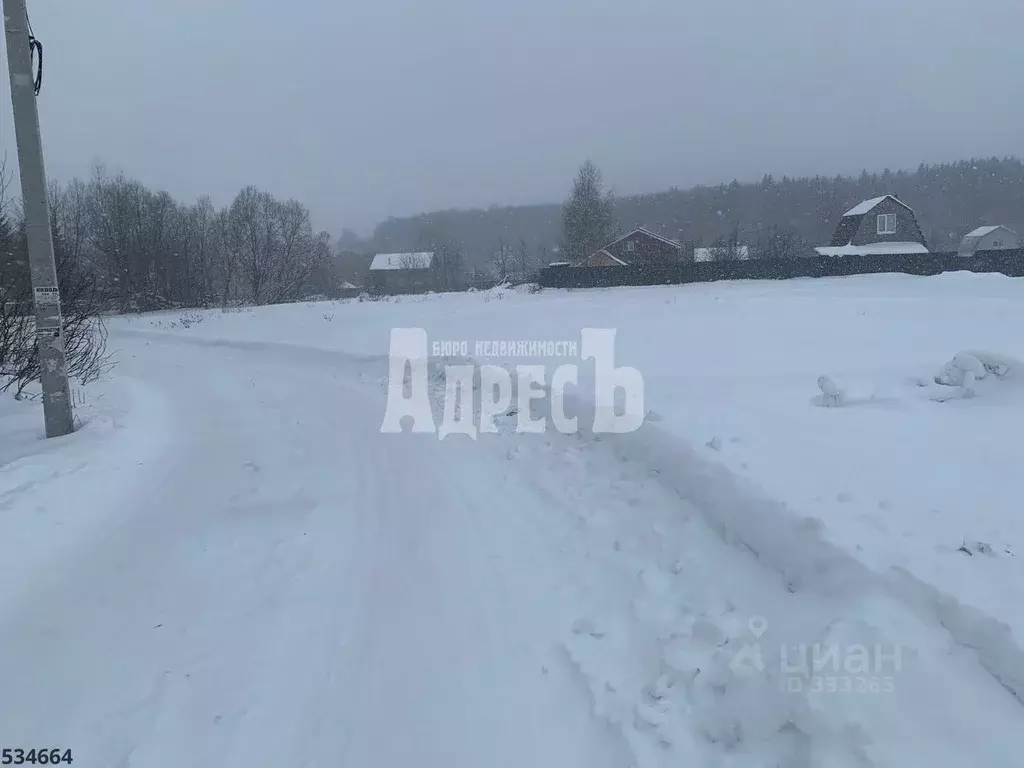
{"x": 57, "y": 411}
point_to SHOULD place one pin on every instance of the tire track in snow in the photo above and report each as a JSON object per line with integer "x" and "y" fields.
{"x": 408, "y": 628}
{"x": 458, "y": 632}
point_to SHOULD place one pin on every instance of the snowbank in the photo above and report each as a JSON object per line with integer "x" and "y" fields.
{"x": 56, "y": 494}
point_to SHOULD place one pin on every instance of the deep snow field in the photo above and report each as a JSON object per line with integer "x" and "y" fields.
{"x": 743, "y": 520}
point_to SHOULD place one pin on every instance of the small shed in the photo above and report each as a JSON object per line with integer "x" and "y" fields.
{"x": 405, "y": 272}
{"x": 347, "y": 290}
{"x": 989, "y": 238}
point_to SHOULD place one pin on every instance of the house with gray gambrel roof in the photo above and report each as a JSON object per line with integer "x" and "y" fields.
{"x": 881, "y": 225}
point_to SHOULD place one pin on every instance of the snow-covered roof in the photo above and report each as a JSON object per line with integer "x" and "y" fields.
{"x": 871, "y": 249}
{"x": 867, "y": 205}
{"x": 347, "y": 286}
{"x": 421, "y": 260}
{"x": 604, "y": 252}
{"x": 982, "y": 231}
{"x": 646, "y": 231}
{"x": 559, "y": 264}
{"x": 709, "y": 254}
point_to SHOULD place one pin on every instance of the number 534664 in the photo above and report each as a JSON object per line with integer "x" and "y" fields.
{"x": 36, "y": 756}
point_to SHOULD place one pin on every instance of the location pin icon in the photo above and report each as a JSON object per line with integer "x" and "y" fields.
{"x": 758, "y": 626}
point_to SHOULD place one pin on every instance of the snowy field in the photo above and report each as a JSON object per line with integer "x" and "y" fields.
{"x": 731, "y": 370}
{"x": 229, "y": 565}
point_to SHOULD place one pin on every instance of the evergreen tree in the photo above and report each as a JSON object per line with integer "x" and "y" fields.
{"x": 587, "y": 218}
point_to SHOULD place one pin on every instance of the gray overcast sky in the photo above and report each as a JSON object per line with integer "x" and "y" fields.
{"x": 391, "y": 107}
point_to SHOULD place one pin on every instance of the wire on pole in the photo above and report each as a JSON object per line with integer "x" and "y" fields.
{"x": 35, "y": 48}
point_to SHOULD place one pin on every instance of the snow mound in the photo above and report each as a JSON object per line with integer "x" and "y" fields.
{"x": 831, "y": 395}
{"x": 978, "y": 365}
{"x": 973, "y": 373}
{"x": 967, "y": 374}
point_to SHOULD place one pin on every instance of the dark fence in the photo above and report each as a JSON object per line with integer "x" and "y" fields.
{"x": 1009, "y": 262}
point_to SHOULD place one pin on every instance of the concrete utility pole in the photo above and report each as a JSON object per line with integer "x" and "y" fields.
{"x": 57, "y": 411}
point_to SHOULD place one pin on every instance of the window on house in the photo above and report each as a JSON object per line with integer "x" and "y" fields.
{"x": 886, "y": 224}
{"x": 997, "y": 243}
{"x": 631, "y": 245}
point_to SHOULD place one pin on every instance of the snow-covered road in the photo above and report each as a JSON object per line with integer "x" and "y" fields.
{"x": 274, "y": 582}
{"x": 287, "y": 586}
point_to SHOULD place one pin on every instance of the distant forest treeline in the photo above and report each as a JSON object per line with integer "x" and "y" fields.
{"x": 950, "y": 199}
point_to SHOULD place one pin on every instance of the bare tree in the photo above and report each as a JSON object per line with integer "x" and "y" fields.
{"x": 273, "y": 245}
{"x": 158, "y": 264}
{"x": 411, "y": 261}
{"x": 299, "y": 253}
{"x": 226, "y": 266}
{"x": 321, "y": 275}
{"x": 452, "y": 263}
{"x": 14, "y": 271}
{"x": 15, "y": 308}
{"x": 116, "y": 221}
{"x": 543, "y": 255}
{"x": 200, "y": 251}
{"x": 778, "y": 243}
{"x": 728, "y": 248}
{"x": 250, "y": 238}
{"x": 83, "y": 334}
{"x": 70, "y": 219}
{"x": 449, "y": 258}
{"x": 502, "y": 258}
{"x": 522, "y": 263}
